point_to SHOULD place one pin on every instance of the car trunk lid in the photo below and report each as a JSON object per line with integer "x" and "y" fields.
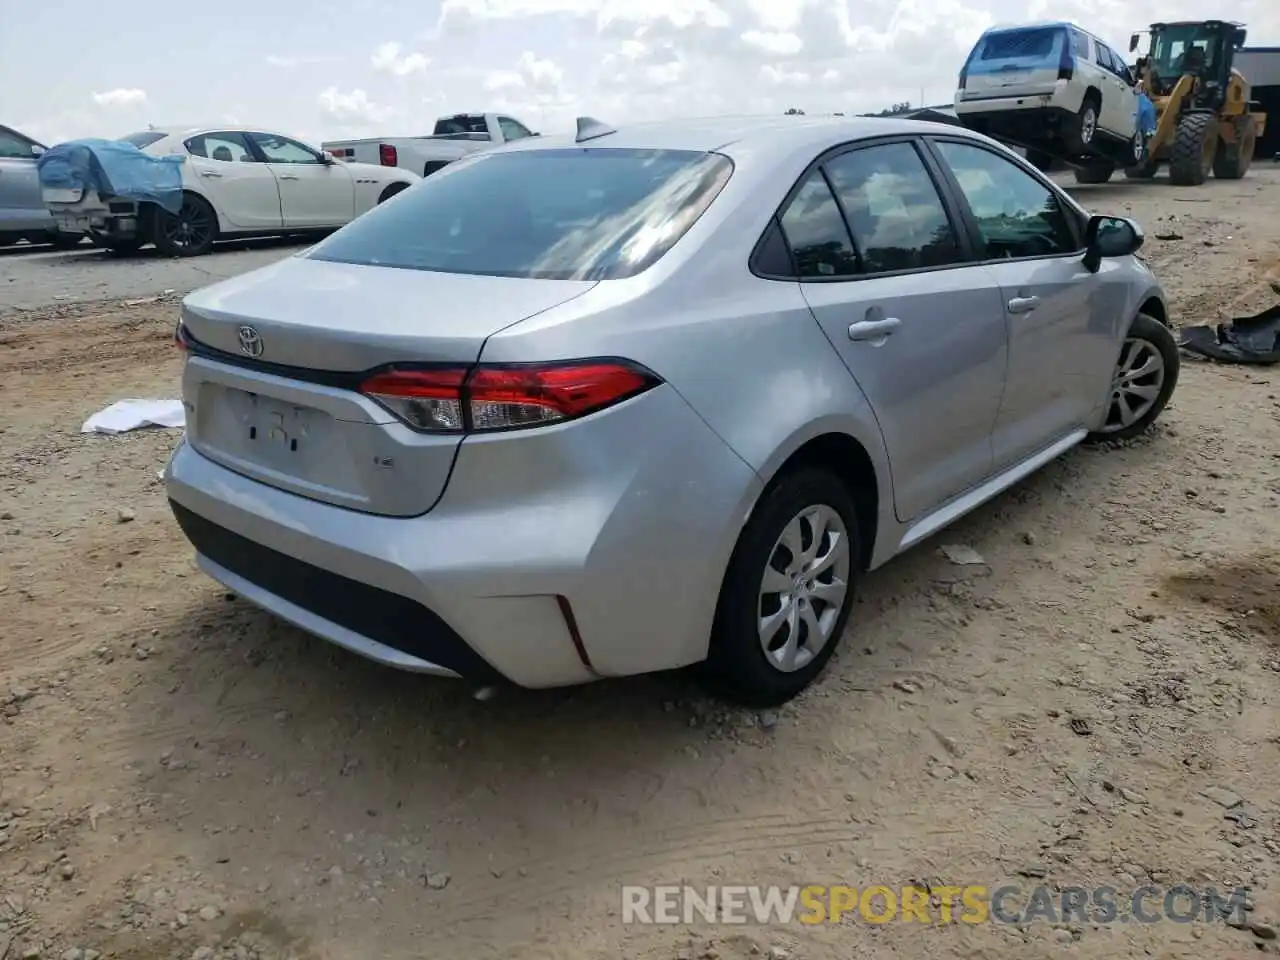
{"x": 277, "y": 357}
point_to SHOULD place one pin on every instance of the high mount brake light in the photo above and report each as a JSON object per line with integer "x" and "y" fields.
{"x": 494, "y": 398}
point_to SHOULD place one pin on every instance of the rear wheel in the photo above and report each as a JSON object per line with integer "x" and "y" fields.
{"x": 787, "y": 592}
{"x": 1231, "y": 160}
{"x": 187, "y": 233}
{"x": 1086, "y": 124}
{"x": 1142, "y": 382}
{"x": 1195, "y": 144}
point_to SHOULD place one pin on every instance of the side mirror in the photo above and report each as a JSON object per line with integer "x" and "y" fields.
{"x": 37, "y": 150}
{"x": 1110, "y": 237}
{"x": 1239, "y": 37}
{"x": 1133, "y": 42}
{"x": 327, "y": 158}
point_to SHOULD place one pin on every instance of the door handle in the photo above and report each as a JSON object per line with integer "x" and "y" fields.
{"x": 209, "y": 173}
{"x": 1023, "y": 304}
{"x": 873, "y": 329}
{"x": 287, "y": 176}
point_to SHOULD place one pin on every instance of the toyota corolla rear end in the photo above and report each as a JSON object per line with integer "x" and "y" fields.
{"x": 353, "y": 464}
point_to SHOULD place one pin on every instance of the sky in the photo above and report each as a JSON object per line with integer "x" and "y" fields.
{"x": 332, "y": 69}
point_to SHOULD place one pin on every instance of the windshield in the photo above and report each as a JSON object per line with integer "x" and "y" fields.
{"x": 144, "y": 139}
{"x": 1183, "y": 49}
{"x": 559, "y": 214}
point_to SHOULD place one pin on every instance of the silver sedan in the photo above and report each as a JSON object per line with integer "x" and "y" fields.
{"x": 632, "y": 400}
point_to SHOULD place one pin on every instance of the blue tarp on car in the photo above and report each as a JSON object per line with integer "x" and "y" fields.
{"x": 113, "y": 167}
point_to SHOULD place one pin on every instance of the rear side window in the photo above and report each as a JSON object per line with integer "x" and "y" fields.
{"x": 1079, "y": 44}
{"x": 1104, "y": 59}
{"x": 1039, "y": 43}
{"x": 893, "y": 209}
{"x": 560, "y": 214}
{"x": 815, "y": 230}
{"x": 144, "y": 138}
{"x": 227, "y": 146}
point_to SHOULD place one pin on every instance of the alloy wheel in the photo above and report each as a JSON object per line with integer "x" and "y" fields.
{"x": 803, "y": 588}
{"x": 1136, "y": 385}
{"x": 189, "y": 229}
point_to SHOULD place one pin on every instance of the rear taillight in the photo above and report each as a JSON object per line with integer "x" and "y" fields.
{"x": 1066, "y": 63}
{"x": 387, "y": 155}
{"x": 505, "y": 397}
{"x": 180, "y": 336}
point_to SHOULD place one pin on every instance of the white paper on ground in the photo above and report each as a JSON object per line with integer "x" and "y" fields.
{"x": 125, "y": 415}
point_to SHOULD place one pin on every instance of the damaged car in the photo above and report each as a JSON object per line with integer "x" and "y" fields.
{"x": 183, "y": 188}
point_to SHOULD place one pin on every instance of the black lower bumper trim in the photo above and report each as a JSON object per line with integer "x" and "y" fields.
{"x": 380, "y": 615}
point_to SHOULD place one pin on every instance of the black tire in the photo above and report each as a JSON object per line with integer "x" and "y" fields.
{"x": 1156, "y": 336}
{"x": 189, "y": 233}
{"x": 1095, "y": 173}
{"x": 391, "y": 191}
{"x": 1231, "y": 161}
{"x": 1085, "y": 128}
{"x": 736, "y": 666}
{"x": 1194, "y": 148}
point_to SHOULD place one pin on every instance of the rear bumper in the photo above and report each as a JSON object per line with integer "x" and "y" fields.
{"x": 116, "y": 220}
{"x": 626, "y": 518}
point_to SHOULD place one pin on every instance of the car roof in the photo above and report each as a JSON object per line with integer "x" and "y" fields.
{"x": 731, "y": 134}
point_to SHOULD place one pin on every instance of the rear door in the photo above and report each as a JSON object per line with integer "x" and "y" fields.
{"x": 1023, "y": 61}
{"x": 886, "y": 274}
{"x": 1061, "y": 318}
{"x": 232, "y": 175}
{"x": 1119, "y": 114}
{"x": 21, "y": 203}
{"x": 312, "y": 193}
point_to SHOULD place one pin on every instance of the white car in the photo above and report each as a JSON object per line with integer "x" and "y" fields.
{"x": 236, "y": 183}
{"x": 1057, "y": 91}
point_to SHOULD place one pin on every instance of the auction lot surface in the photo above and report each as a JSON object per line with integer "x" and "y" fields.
{"x": 181, "y": 776}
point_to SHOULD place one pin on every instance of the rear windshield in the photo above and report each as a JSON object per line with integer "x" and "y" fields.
{"x": 457, "y": 125}
{"x": 556, "y": 214}
{"x": 1039, "y": 43}
{"x": 144, "y": 139}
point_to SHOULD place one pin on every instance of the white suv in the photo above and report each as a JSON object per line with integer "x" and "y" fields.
{"x": 1057, "y": 91}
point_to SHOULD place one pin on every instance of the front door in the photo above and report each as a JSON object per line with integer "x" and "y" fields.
{"x": 921, "y": 331}
{"x": 21, "y": 202}
{"x": 313, "y": 193}
{"x": 1061, "y": 318}
{"x": 241, "y": 186}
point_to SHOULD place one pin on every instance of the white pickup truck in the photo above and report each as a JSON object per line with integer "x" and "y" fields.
{"x": 454, "y": 137}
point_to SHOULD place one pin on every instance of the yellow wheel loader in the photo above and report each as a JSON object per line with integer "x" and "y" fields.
{"x": 1206, "y": 120}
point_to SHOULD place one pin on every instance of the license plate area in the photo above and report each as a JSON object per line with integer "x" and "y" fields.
{"x": 281, "y": 442}
{"x": 62, "y": 194}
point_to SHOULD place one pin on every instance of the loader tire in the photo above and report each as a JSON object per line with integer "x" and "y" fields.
{"x": 1195, "y": 144}
{"x": 1231, "y": 160}
{"x": 1096, "y": 172}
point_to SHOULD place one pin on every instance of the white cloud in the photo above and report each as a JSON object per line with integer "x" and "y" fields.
{"x": 121, "y": 97}
{"x": 779, "y": 44}
{"x": 352, "y": 109}
{"x": 387, "y": 59}
{"x": 289, "y": 62}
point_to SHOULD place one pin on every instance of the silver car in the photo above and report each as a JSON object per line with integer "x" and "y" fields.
{"x": 22, "y": 211}
{"x": 635, "y": 400}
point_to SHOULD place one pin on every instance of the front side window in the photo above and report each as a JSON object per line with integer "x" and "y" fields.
{"x": 1017, "y": 215}
{"x": 563, "y": 214}
{"x": 893, "y": 208}
{"x": 278, "y": 149}
{"x": 228, "y": 147}
{"x": 14, "y": 146}
{"x": 816, "y": 232}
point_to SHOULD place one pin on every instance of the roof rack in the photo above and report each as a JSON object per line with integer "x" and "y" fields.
{"x": 589, "y": 128}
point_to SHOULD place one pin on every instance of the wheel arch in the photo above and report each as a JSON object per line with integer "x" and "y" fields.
{"x": 391, "y": 189}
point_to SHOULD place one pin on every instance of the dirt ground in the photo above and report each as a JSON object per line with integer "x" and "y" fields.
{"x": 183, "y": 777}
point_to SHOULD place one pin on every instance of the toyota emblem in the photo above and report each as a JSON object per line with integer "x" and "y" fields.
{"x": 250, "y": 342}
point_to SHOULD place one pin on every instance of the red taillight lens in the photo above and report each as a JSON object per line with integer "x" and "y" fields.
{"x": 387, "y": 155}
{"x": 180, "y": 336}
{"x": 505, "y": 397}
